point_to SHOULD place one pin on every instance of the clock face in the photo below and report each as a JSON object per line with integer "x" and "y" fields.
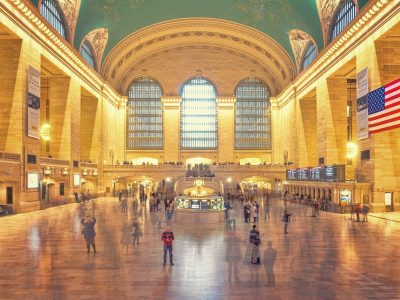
{"x": 33, "y": 180}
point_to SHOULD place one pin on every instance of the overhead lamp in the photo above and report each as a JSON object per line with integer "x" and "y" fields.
{"x": 229, "y": 179}
{"x": 45, "y": 132}
{"x": 64, "y": 171}
{"x": 351, "y": 150}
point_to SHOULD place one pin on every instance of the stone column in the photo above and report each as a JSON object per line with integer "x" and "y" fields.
{"x": 171, "y": 127}
{"x": 226, "y": 128}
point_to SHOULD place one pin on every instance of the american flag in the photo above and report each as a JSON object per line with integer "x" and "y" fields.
{"x": 384, "y": 108}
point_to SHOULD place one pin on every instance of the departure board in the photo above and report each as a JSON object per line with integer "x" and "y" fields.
{"x": 303, "y": 174}
{"x": 317, "y": 174}
{"x": 326, "y": 173}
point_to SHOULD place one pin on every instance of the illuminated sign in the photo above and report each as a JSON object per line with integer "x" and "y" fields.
{"x": 32, "y": 180}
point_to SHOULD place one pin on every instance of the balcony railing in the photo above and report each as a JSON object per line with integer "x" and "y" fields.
{"x": 88, "y": 165}
{"x": 10, "y": 156}
{"x": 155, "y": 167}
{"x": 53, "y": 161}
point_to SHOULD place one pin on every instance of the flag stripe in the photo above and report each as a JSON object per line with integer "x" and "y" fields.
{"x": 394, "y": 126}
{"x": 392, "y": 85}
{"x": 383, "y": 121}
{"x": 392, "y": 96}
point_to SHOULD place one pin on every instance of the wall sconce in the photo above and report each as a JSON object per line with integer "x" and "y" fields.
{"x": 45, "y": 132}
{"x": 48, "y": 171}
{"x": 64, "y": 171}
{"x": 94, "y": 173}
{"x": 85, "y": 172}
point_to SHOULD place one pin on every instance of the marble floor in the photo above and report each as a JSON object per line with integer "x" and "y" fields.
{"x": 43, "y": 256}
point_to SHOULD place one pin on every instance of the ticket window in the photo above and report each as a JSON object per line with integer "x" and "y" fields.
{"x": 389, "y": 201}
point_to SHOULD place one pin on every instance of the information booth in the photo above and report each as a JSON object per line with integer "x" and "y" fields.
{"x": 199, "y": 209}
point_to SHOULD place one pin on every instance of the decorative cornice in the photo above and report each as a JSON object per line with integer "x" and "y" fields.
{"x": 26, "y": 16}
{"x": 98, "y": 39}
{"x": 171, "y": 101}
{"x": 367, "y": 21}
{"x": 226, "y": 99}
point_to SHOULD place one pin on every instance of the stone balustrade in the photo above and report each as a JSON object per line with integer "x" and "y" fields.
{"x": 10, "y": 156}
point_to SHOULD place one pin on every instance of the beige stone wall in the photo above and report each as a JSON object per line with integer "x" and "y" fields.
{"x": 226, "y": 130}
{"x": 307, "y": 131}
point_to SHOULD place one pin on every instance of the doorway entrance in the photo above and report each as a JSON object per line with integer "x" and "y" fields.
{"x": 389, "y": 201}
{"x": 9, "y": 195}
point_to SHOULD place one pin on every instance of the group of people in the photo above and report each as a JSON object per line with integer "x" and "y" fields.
{"x": 132, "y": 233}
{"x": 357, "y": 210}
{"x": 251, "y": 212}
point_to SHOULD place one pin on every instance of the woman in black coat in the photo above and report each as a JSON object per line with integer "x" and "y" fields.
{"x": 88, "y": 231}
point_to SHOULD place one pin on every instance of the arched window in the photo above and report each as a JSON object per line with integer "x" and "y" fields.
{"x": 144, "y": 115}
{"x": 346, "y": 13}
{"x": 87, "y": 53}
{"x": 199, "y": 115}
{"x": 309, "y": 55}
{"x": 252, "y": 115}
{"x": 51, "y": 11}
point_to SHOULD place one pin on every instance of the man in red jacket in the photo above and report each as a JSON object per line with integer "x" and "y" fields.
{"x": 168, "y": 237}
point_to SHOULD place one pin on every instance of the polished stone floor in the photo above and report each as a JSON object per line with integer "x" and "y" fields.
{"x": 43, "y": 256}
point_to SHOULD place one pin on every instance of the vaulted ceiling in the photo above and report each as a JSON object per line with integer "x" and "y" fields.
{"x": 268, "y": 34}
{"x": 273, "y": 17}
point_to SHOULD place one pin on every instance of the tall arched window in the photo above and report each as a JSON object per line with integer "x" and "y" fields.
{"x": 87, "y": 53}
{"x": 51, "y": 11}
{"x": 144, "y": 115}
{"x": 345, "y": 13}
{"x": 309, "y": 55}
{"x": 199, "y": 115}
{"x": 252, "y": 115}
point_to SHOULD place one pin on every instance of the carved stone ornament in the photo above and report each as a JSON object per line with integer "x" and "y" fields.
{"x": 299, "y": 40}
{"x": 70, "y": 9}
{"x": 98, "y": 39}
{"x": 326, "y": 11}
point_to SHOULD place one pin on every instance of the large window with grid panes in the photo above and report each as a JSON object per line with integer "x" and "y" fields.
{"x": 199, "y": 115}
{"x": 51, "y": 11}
{"x": 252, "y": 115}
{"x": 144, "y": 115}
{"x": 87, "y": 53}
{"x": 346, "y": 12}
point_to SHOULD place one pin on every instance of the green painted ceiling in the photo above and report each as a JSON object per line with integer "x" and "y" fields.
{"x": 273, "y": 17}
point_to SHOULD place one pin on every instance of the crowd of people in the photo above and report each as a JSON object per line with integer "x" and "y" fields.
{"x": 355, "y": 209}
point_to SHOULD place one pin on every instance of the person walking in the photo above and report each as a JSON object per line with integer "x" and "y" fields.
{"x": 266, "y": 208}
{"x": 88, "y": 231}
{"x": 168, "y": 237}
{"x": 232, "y": 218}
{"x": 137, "y": 231}
{"x": 365, "y": 211}
{"x": 269, "y": 262}
{"x": 253, "y": 212}
{"x": 358, "y": 210}
{"x": 126, "y": 238}
{"x": 169, "y": 213}
{"x": 255, "y": 242}
{"x": 160, "y": 218}
{"x": 316, "y": 207}
{"x": 286, "y": 219}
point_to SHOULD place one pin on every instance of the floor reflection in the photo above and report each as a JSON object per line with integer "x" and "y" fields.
{"x": 43, "y": 256}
